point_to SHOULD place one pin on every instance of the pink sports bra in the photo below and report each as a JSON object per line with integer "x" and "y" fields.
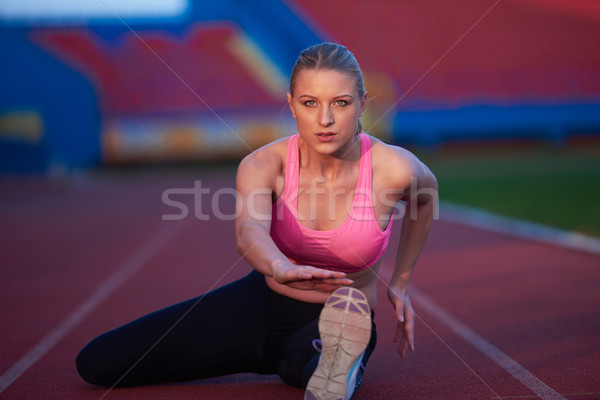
{"x": 355, "y": 245}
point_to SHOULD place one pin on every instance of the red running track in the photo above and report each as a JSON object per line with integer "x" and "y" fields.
{"x": 79, "y": 257}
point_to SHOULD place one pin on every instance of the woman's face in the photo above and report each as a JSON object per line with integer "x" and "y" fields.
{"x": 326, "y": 106}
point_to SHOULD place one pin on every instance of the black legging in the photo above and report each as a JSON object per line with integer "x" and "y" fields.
{"x": 241, "y": 327}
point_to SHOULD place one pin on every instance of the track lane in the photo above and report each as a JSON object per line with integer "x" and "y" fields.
{"x": 535, "y": 302}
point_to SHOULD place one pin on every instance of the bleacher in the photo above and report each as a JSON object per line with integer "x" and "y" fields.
{"x": 211, "y": 83}
{"x": 483, "y": 68}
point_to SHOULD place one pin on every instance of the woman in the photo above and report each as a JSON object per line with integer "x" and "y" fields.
{"x": 314, "y": 217}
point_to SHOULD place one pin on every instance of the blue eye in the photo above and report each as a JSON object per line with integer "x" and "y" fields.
{"x": 310, "y": 103}
{"x": 341, "y": 103}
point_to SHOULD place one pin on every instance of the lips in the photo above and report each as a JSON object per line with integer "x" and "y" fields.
{"x": 325, "y": 136}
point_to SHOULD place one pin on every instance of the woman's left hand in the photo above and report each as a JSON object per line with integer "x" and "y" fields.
{"x": 406, "y": 320}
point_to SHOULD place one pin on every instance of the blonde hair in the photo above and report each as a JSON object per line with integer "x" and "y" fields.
{"x": 329, "y": 56}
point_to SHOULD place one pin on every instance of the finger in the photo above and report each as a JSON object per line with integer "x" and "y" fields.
{"x": 403, "y": 346}
{"x": 291, "y": 276}
{"x": 337, "y": 281}
{"x": 405, "y": 341}
{"x": 324, "y": 274}
{"x": 409, "y": 328}
{"x": 410, "y": 340}
{"x": 399, "y": 332}
{"x": 299, "y": 275}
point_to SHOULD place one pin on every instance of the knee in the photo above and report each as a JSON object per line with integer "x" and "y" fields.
{"x": 91, "y": 365}
{"x": 97, "y": 365}
{"x": 87, "y": 366}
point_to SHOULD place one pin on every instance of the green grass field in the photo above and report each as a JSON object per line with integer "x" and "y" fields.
{"x": 555, "y": 187}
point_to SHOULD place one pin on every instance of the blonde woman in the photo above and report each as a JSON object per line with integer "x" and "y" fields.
{"x": 315, "y": 212}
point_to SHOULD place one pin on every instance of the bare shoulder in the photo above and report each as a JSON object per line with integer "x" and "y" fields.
{"x": 393, "y": 165}
{"x": 262, "y": 167}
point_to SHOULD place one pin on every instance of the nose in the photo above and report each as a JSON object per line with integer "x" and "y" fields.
{"x": 325, "y": 116}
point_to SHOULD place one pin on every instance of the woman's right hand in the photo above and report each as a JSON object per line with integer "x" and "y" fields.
{"x": 305, "y": 277}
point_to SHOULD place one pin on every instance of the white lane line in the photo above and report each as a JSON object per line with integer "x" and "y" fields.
{"x": 511, "y": 226}
{"x": 163, "y": 236}
{"x": 519, "y": 372}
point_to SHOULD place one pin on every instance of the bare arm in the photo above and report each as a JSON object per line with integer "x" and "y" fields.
{"x": 256, "y": 187}
{"x": 421, "y": 204}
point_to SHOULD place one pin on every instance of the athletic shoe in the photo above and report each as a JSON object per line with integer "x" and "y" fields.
{"x": 345, "y": 329}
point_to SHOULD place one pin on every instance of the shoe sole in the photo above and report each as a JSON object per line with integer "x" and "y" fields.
{"x": 345, "y": 329}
